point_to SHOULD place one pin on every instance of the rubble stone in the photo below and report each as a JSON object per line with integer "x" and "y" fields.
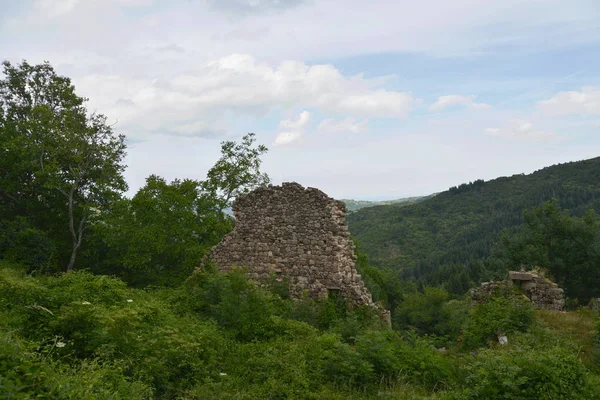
{"x": 542, "y": 292}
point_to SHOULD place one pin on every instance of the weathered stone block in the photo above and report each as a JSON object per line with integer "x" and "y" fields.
{"x": 528, "y": 285}
{"x": 520, "y": 276}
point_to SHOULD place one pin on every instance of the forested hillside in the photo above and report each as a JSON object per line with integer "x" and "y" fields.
{"x": 354, "y": 205}
{"x": 451, "y": 237}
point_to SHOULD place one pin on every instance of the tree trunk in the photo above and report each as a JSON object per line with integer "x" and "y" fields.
{"x": 72, "y": 260}
{"x": 76, "y": 235}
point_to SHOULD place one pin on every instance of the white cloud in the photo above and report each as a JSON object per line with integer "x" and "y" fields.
{"x": 313, "y": 30}
{"x": 296, "y": 123}
{"x": 253, "y": 6}
{"x": 241, "y": 85}
{"x": 586, "y": 101}
{"x": 54, "y": 8}
{"x": 457, "y": 100}
{"x": 295, "y": 127}
{"x": 348, "y": 124}
{"x": 520, "y": 130}
{"x": 285, "y": 138}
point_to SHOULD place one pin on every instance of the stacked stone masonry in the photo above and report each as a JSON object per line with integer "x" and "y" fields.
{"x": 542, "y": 292}
{"x": 291, "y": 232}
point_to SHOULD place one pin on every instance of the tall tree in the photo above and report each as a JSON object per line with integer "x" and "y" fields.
{"x": 568, "y": 247}
{"x": 162, "y": 233}
{"x": 60, "y": 164}
{"x": 237, "y": 171}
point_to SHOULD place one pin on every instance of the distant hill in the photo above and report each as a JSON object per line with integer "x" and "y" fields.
{"x": 456, "y": 231}
{"x": 354, "y": 205}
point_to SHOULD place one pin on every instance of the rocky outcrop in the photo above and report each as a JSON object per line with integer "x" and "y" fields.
{"x": 542, "y": 292}
{"x": 289, "y": 232}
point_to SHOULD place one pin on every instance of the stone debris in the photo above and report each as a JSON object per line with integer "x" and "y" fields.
{"x": 502, "y": 339}
{"x": 542, "y": 292}
{"x": 297, "y": 233}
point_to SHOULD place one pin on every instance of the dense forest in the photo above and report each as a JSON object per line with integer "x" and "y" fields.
{"x": 98, "y": 299}
{"x": 455, "y": 238}
{"x": 353, "y": 205}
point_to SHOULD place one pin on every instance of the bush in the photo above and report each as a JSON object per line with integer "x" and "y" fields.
{"x": 431, "y": 313}
{"x": 27, "y": 374}
{"x": 555, "y": 373}
{"x": 21, "y": 243}
{"x": 417, "y": 359}
{"x": 499, "y": 315}
{"x": 235, "y": 303}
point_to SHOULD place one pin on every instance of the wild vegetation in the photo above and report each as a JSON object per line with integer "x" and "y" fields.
{"x": 354, "y": 205}
{"x": 98, "y": 299}
{"x": 461, "y": 237}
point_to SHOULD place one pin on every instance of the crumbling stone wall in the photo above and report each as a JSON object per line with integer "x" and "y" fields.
{"x": 542, "y": 292}
{"x": 294, "y": 233}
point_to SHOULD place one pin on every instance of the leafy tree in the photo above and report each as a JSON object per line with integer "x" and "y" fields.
{"x": 163, "y": 231}
{"x": 59, "y": 163}
{"x": 424, "y": 311}
{"x": 237, "y": 171}
{"x": 568, "y": 247}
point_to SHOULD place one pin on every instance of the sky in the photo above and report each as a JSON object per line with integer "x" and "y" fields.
{"x": 368, "y": 100}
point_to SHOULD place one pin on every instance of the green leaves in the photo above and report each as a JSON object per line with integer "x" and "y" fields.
{"x": 500, "y": 315}
{"x": 237, "y": 171}
{"x": 162, "y": 233}
{"x": 568, "y": 247}
{"x": 59, "y": 163}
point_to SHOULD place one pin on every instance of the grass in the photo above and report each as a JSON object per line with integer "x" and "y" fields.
{"x": 575, "y": 326}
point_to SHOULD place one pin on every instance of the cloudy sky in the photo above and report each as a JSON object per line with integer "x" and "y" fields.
{"x": 363, "y": 99}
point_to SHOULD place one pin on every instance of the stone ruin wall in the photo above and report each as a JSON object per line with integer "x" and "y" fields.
{"x": 289, "y": 231}
{"x": 542, "y": 292}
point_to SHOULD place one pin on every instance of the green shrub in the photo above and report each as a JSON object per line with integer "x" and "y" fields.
{"x": 417, "y": 359}
{"x": 423, "y": 311}
{"x": 344, "y": 365}
{"x": 499, "y": 315}
{"x": 27, "y": 374}
{"x": 431, "y": 313}
{"x": 554, "y": 373}
{"x": 17, "y": 289}
{"x": 21, "y": 243}
{"x": 82, "y": 286}
{"x": 235, "y": 303}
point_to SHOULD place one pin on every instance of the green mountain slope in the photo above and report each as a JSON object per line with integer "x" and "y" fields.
{"x": 457, "y": 229}
{"x": 354, "y": 205}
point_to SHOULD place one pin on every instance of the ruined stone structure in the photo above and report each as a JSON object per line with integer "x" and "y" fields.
{"x": 542, "y": 292}
{"x": 295, "y": 233}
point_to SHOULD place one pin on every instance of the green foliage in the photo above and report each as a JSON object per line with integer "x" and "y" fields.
{"x": 22, "y": 243}
{"x": 499, "y": 315}
{"x": 161, "y": 234}
{"x": 391, "y": 357}
{"x": 27, "y": 373}
{"x": 237, "y": 171}
{"x": 79, "y": 335}
{"x": 450, "y": 238}
{"x": 553, "y": 373}
{"x": 236, "y": 304}
{"x": 430, "y": 313}
{"x": 423, "y": 311}
{"x": 568, "y": 247}
{"x": 59, "y": 165}
{"x": 354, "y": 205}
